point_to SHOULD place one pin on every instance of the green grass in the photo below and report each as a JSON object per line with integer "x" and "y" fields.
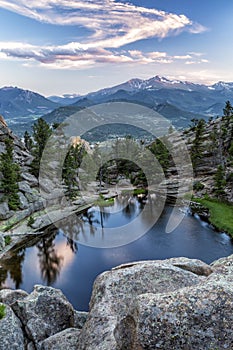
{"x": 101, "y": 202}
{"x": 221, "y": 214}
{"x": 134, "y": 191}
{"x": 2, "y": 311}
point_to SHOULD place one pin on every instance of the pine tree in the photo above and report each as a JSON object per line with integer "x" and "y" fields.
{"x": 28, "y": 141}
{"x": 214, "y": 146}
{"x": 41, "y": 134}
{"x": 70, "y": 169}
{"x": 228, "y": 110}
{"x": 220, "y": 182}
{"x": 197, "y": 145}
{"x": 162, "y": 154}
{"x": 10, "y": 176}
{"x": 227, "y": 127}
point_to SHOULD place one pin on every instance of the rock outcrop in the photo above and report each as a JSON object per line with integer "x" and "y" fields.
{"x": 43, "y": 319}
{"x": 177, "y": 303}
{"x": 172, "y": 304}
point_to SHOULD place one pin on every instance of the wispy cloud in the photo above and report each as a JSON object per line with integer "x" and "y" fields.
{"x": 77, "y": 56}
{"x": 111, "y": 25}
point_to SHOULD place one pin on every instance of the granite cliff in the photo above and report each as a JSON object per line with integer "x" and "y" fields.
{"x": 28, "y": 184}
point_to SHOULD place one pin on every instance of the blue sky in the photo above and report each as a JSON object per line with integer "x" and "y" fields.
{"x": 78, "y": 46}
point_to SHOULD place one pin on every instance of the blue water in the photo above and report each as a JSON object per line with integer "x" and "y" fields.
{"x": 60, "y": 260}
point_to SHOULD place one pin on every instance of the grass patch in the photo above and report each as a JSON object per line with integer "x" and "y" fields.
{"x": 221, "y": 214}
{"x": 101, "y": 202}
{"x": 2, "y": 311}
{"x": 134, "y": 192}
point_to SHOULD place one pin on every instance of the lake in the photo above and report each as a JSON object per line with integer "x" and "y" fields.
{"x": 70, "y": 258}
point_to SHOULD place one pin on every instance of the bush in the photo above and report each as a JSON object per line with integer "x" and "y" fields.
{"x": 198, "y": 186}
{"x": 31, "y": 221}
{"x": 7, "y": 240}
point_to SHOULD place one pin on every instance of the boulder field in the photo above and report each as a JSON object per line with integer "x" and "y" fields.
{"x": 178, "y": 303}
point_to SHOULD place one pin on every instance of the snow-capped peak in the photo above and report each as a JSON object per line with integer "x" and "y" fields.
{"x": 221, "y": 85}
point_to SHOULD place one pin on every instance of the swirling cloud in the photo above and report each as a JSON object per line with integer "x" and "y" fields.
{"x": 110, "y": 25}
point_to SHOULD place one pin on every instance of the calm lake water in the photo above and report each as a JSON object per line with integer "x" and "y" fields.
{"x": 60, "y": 260}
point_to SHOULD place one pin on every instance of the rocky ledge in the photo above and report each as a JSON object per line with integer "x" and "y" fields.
{"x": 177, "y": 303}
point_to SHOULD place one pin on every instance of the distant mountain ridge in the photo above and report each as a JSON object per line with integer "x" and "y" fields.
{"x": 153, "y": 83}
{"x": 16, "y": 102}
{"x": 207, "y": 100}
{"x": 21, "y": 107}
{"x": 177, "y": 100}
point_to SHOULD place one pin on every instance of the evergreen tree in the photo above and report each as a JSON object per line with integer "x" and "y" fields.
{"x": 70, "y": 173}
{"x": 41, "y": 134}
{"x": 70, "y": 169}
{"x": 10, "y": 176}
{"x": 220, "y": 182}
{"x": 28, "y": 141}
{"x": 228, "y": 110}
{"x": 197, "y": 146}
{"x": 225, "y": 133}
{"x": 162, "y": 154}
{"x": 214, "y": 145}
{"x": 194, "y": 122}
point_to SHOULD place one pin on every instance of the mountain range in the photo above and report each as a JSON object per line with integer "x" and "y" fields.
{"x": 179, "y": 101}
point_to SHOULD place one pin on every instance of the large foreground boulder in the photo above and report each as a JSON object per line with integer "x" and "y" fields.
{"x": 172, "y": 304}
{"x": 110, "y": 323}
{"x": 44, "y": 312}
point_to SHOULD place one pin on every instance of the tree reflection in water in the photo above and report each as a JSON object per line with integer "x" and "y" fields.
{"x": 131, "y": 204}
{"x": 73, "y": 228}
{"x": 13, "y": 267}
{"x": 49, "y": 260}
{"x": 129, "y": 207}
{"x": 96, "y": 217}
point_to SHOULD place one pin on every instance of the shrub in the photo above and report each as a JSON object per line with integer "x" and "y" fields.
{"x": 198, "y": 186}
{"x": 31, "y": 221}
{"x": 7, "y": 240}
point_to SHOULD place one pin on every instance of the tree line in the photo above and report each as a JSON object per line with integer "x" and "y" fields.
{"x": 220, "y": 145}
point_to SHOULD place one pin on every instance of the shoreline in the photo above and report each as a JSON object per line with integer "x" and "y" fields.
{"x": 49, "y": 216}
{"x": 220, "y": 214}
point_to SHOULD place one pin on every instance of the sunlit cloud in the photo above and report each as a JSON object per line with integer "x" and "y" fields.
{"x": 184, "y": 57}
{"x": 75, "y": 55}
{"x": 79, "y": 56}
{"x": 111, "y": 24}
{"x": 196, "y": 61}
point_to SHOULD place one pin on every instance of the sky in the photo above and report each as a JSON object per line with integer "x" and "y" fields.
{"x": 56, "y": 47}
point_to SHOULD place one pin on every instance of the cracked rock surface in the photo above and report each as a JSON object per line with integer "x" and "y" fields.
{"x": 177, "y": 303}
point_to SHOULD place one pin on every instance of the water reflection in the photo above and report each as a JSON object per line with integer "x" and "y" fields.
{"x": 49, "y": 260}
{"x": 13, "y": 267}
{"x": 58, "y": 259}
